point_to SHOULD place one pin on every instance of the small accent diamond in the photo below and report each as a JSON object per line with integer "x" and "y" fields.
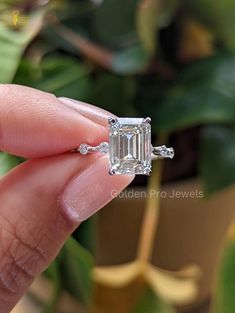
{"x": 83, "y": 148}
{"x": 103, "y": 147}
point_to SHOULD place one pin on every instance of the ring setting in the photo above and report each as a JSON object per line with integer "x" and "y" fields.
{"x": 129, "y": 148}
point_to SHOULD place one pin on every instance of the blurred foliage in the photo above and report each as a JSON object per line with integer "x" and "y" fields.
{"x": 76, "y": 265}
{"x": 224, "y": 300}
{"x": 71, "y": 271}
{"x": 149, "y": 303}
{"x": 218, "y": 15}
{"x": 172, "y": 60}
{"x": 13, "y": 43}
{"x": 219, "y": 173}
{"x": 7, "y": 162}
{"x": 63, "y": 76}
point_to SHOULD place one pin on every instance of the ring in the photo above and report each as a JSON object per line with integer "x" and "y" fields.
{"x": 129, "y": 148}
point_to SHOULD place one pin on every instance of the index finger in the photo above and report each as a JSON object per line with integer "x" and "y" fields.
{"x": 37, "y": 124}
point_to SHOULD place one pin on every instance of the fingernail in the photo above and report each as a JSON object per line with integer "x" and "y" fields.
{"x": 91, "y": 190}
{"x": 89, "y": 111}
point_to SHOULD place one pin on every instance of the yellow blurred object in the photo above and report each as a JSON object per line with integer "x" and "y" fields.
{"x": 147, "y": 23}
{"x": 14, "y": 19}
{"x": 195, "y": 42}
{"x": 173, "y": 287}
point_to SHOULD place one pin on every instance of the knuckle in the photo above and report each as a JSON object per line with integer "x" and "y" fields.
{"x": 20, "y": 261}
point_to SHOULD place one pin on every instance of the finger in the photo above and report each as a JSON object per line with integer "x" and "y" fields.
{"x": 42, "y": 202}
{"x": 37, "y": 124}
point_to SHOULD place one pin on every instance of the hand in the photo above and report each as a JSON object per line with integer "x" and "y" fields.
{"x": 44, "y": 199}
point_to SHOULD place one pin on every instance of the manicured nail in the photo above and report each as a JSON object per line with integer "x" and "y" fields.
{"x": 89, "y": 111}
{"x": 91, "y": 190}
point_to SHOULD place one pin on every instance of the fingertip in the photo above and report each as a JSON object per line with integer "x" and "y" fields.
{"x": 92, "y": 189}
{"x": 36, "y": 124}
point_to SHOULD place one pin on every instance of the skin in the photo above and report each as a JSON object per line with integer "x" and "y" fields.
{"x": 45, "y": 199}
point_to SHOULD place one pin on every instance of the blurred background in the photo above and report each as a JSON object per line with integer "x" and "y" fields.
{"x": 172, "y": 60}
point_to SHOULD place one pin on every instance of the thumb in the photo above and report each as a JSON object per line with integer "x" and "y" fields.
{"x": 42, "y": 202}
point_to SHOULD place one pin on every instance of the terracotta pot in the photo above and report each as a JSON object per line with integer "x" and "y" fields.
{"x": 191, "y": 231}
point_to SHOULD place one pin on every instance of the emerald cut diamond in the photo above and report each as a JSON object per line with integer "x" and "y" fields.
{"x": 130, "y": 146}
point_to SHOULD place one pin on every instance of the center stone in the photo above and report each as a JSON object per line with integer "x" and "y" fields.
{"x": 130, "y": 146}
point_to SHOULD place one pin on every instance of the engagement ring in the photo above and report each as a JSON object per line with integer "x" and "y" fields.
{"x": 129, "y": 148}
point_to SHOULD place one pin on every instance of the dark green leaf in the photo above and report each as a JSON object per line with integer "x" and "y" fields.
{"x": 114, "y": 93}
{"x": 27, "y": 73}
{"x": 217, "y": 164}
{"x": 62, "y": 76}
{"x": 77, "y": 264}
{"x": 204, "y": 93}
{"x": 114, "y": 22}
{"x": 149, "y": 303}
{"x": 185, "y": 108}
{"x": 85, "y": 234}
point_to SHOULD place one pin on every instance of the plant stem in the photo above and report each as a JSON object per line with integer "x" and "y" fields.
{"x": 89, "y": 49}
{"x": 151, "y": 215}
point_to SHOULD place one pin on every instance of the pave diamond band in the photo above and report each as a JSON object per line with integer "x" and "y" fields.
{"x": 129, "y": 148}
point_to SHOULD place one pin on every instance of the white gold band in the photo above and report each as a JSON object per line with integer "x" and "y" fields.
{"x": 160, "y": 152}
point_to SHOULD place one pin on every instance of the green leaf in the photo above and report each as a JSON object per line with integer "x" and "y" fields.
{"x": 224, "y": 300}
{"x": 114, "y": 93}
{"x": 76, "y": 266}
{"x": 7, "y": 162}
{"x": 86, "y": 234}
{"x": 13, "y": 44}
{"x": 62, "y": 76}
{"x": 53, "y": 272}
{"x": 149, "y": 303}
{"x": 219, "y": 15}
{"x": 217, "y": 164}
{"x": 114, "y": 21}
{"x": 204, "y": 93}
{"x": 130, "y": 61}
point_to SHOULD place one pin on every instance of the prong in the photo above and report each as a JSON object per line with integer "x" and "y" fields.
{"x": 112, "y": 120}
{"x": 171, "y": 153}
{"x": 111, "y": 171}
{"x": 147, "y": 120}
